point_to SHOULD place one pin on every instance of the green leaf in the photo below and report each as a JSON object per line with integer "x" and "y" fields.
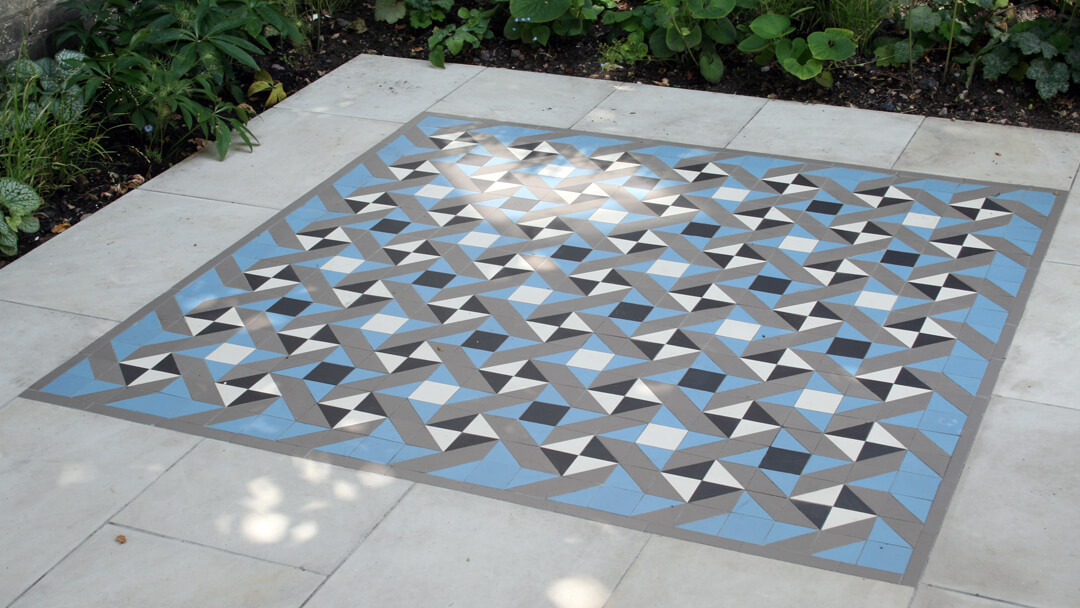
{"x": 825, "y": 79}
{"x": 1051, "y": 77}
{"x": 711, "y": 9}
{"x": 258, "y": 87}
{"x": 922, "y": 18}
{"x": 276, "y": 94}
{"x": 1030, "y": 43}
{"x": 539, "y": 11}
{"x": 235, "y": 52}
{"x": 677, "y": 41}
{"x": 802, "y": 71}
{"x": 753, "y": 44}
{"x": 771, "y": 25}
{"x": 163, "y": 36}
{"x": 437, "y": 57}
{"x": 998, "y": 62}
{"x": 223, "y": 138}
{"x": 712, "y": 67}
{"x": 658, "y": 44}
{"x": 721, "y": 30}
{"x": 9, "y": 241}
{"x": 389, "y": 11}
{"x": 834, "y": 44}
{"x": 30, "y": 224}
{"x": 454, "y": 44}
{"x": 17, "y": 199}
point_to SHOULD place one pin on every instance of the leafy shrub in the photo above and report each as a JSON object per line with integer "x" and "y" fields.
{"x": 18, "y": 202}
{"x": 44, "y": 133}
{"x": 454, "y": 37}
{"x": 163, "y": 63}
{"x": 987, "y": 34}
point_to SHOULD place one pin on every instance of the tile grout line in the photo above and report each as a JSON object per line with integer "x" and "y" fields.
{"x": 356, "y": 548}
{"x": 101, "y": 526}
{"x": 622, "y": 577}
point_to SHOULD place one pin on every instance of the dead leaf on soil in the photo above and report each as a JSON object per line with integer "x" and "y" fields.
{"x": 58, "y": 228}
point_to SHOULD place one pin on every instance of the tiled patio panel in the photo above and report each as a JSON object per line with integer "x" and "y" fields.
{"x": 778, "y": 356}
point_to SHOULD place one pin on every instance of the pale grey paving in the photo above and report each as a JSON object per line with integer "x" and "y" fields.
{"x": 1011, "y": 532}
{"x": 701, "y": 118}
{"x": 63, "y": 474}
{"x": 148, "y": 570}
{"x": 862, "y": 137}
{"x": 672, "y": 572}
{"x": 381, "y": 88}
{"x": 993, "y": 152}
{"x": 127, "y": 254}
{"x": 525, "y": 97}
{"x": 302, "y": 147}
{"x": 442, "y": 547}
{"x": 38, "y": 338}
{"x": 1041, "y": 366}
{"x": 286, "y": 510}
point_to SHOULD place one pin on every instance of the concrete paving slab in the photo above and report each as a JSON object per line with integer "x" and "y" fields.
{"x": 382, "y": 88}
{"x": 40, "y": 340}
{"x": 63, "y": 473}
{"x": 297, "y": 151}
{"x": 933, "y": 597}
{"x": 692, "y": 117}
{"x": 970, "y": 150}
{"x": 1011, "y": 532}
{"x": 148, "y": 570}
{"x": 447, "y": 548}
{"x": 1065, "y": 247}
{"x": 275, "y": 507}
{"x": 672, "y": 572}
{"x": 127, "y": 254}
{"x": 864, "y": 137}
{"x": 1040, "y": 365}
{"x": 526, "y": 97}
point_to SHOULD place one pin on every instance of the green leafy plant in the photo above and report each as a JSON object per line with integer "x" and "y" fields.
{"x": 454, "y": 37}
{"x": 265, "y": 83}
{"x": 45, "y": 135}
{"x": 169, "y": 65}
{"x": 805, "y": 58}
{"x": 1044, "y": 51}
{"x": 534, "y": 21}
{"x": 18, "y": 202}
{"x": 862, "y": 17}
{"x": 422, "y": 13}
{"x": 695, "y": 29}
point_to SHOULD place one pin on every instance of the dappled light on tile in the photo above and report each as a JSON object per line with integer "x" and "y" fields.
{"x": 577, "y": 592}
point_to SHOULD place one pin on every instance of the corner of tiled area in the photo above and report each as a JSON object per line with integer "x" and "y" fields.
{"x": 254, "y": 528}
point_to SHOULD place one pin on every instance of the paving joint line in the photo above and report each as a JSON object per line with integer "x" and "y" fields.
{"x": 356, "y": 548}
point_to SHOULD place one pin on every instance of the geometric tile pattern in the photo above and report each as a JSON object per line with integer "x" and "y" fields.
{"x": 777, "y": 356}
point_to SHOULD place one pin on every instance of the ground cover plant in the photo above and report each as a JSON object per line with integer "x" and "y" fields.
{"x": 139, "y": 84}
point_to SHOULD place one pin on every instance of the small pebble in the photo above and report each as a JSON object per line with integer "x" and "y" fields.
{"x": 927, "y": 83}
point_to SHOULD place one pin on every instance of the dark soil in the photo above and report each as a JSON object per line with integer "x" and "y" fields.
{"x": 922, "y": 91}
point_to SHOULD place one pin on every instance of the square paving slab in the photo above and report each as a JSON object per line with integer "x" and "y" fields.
{"x": 782, "y": 357}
